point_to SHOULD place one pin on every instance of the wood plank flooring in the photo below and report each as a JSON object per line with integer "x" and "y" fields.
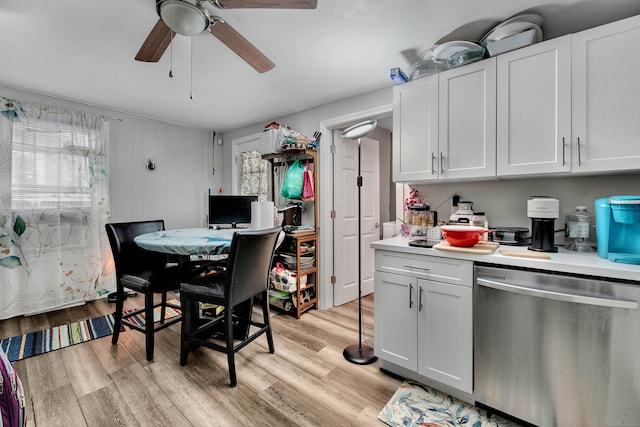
{"x": 307, "y": 382}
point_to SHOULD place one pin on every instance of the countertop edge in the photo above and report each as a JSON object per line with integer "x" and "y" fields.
{"x": 563, "y": 261}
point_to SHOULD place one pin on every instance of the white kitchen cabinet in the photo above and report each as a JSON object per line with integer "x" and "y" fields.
{"x": 444, "y": 125}
{"x": 423, "y": 316}
{"x": 534, "y": 109}
{"x": 415, "y": 130}
{"x": 606, "y": 94}
{"x": 467, "y": 117}
{"x": 445, "y": 324}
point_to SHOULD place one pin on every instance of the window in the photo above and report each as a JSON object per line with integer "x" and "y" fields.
{"x": 49, "y": 167}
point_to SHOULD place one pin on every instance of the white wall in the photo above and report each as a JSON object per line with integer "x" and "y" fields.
{"x": 307, "y": 122}
{"x": 176, "y": 190}
{"x": 505, "y": 201}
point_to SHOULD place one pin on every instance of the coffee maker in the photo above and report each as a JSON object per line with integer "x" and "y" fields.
{"x": 618, "y": 228}
{"x": 543, "y": 212}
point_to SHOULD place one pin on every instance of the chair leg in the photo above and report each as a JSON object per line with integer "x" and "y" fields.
{"x": 163, "y": 306}
{"x": 189, "y": 323}
{"x": 265, "y": 314}
{"x": 117, "y": 316}
{"x": 149, "y": 326}
{"x": 228, "y": 324}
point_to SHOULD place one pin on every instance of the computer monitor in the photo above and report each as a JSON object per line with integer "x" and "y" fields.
{"x": 230, "y": 210}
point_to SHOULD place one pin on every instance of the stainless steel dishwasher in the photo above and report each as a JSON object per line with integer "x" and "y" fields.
{"x": 557, "y": 350}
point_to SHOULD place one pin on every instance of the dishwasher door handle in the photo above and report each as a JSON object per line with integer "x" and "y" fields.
{"x": 558, "y": 296}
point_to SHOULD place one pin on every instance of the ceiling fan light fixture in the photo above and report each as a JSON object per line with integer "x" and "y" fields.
{"x": 183, "y": 17}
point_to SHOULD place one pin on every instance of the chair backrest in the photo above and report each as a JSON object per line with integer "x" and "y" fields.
{"x": 127, "y": 255}
{"x": 249, "y": 264}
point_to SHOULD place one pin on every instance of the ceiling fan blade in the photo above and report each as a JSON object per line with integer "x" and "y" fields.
{"x": 267, "y": 4}
{"x": 241, "y": 46}
{"x": 156, "y": 43}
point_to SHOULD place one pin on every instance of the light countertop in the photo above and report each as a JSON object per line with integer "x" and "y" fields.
{"x": 563, "y": 261}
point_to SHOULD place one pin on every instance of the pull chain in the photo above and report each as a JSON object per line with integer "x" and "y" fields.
{"x": 191, "y": 72}
{"x": 171, "y": 48}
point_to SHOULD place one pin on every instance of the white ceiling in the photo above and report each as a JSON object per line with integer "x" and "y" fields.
{"x": 83, "y": 50}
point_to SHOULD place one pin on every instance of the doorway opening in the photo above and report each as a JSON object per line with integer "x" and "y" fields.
{"x": 338, "y": 276}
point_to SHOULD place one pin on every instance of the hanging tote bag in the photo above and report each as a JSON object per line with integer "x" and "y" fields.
{"x": 293, "y": 181}
{"x": 307, "y": 185}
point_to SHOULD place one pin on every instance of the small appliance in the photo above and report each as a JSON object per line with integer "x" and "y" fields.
{"x": 543, "y": 212}
{"x": 517, "y": 236}
{"x": 463, "y": 214}
{"x": 618, "y": 228}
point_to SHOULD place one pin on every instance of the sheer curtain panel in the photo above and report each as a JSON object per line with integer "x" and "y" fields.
{"x": 54, "y": 202}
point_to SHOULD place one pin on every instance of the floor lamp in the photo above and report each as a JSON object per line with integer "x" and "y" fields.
{"x": 359, "y": 353}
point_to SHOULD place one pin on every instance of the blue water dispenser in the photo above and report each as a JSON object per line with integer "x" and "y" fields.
{"x": 618, "y": 228}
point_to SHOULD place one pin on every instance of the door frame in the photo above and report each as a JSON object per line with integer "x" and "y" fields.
{"x": 326, "y": 193}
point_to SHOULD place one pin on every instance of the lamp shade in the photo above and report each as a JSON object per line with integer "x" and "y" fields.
{"x": 183, "y": 17}
{"x": 359, "y": 130}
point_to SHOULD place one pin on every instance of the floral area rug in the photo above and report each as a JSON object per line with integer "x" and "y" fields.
{"x": 414, "y": 404}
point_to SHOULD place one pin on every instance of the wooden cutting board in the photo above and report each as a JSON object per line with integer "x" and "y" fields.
{"x": 484, "y": 248}
{"x": 524, "y": 254}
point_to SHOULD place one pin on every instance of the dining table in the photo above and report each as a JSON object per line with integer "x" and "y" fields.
{"x": 188, "y": 241}
{"x": 199, "y": 242}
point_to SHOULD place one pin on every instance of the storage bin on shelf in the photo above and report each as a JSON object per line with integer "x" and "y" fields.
{"x": 270, "y": 141}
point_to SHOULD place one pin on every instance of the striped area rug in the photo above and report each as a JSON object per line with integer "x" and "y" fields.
{"x": 46, "y": 340}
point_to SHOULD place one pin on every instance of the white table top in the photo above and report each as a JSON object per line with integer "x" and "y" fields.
{"x": 187, "y": 241}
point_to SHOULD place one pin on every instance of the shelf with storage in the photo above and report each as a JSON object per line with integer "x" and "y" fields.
{"x": 298, "y": 252}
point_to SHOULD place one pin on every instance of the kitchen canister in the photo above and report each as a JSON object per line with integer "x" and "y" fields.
{"x": 580, "y": 231}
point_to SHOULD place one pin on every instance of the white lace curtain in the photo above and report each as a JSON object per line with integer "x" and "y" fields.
{"x": 54, "y": 203}
{"x": 254, "y": 175}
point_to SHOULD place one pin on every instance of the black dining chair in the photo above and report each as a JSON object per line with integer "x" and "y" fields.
{"x": 246, "y": 276}
{"x": 146, "y": 272}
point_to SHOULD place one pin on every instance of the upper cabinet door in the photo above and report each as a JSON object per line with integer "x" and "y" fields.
{"x": 415, "y": 130}
{"x": 467, "y": 133}
{"x": 606, "y": 97}
{"x": 534, "y": 109}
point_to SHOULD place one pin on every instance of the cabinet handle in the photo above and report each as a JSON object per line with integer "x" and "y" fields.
{"x": 433, "y": 169}
{"x": 441, "y": 163}
{"x": 416, "y": 267}
{"x": 563, "y": 145}
{"x": 410, "y": 293}
{"x": 579, "y": 156}
{"x": 420, "y": 299}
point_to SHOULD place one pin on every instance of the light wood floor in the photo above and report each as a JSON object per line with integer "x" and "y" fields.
{"x": 307, "y": 382}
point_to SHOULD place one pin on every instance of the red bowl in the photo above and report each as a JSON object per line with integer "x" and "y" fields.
{"x": 462, "y": 235}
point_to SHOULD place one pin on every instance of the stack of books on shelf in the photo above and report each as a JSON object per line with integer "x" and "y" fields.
{"x": 210, "y": 311}
{"x": 300, "y": 230}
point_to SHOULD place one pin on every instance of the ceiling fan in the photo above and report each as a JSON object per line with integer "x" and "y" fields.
{"x": 189, "y": 18}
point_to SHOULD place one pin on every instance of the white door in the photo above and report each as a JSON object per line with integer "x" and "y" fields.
{"x": 345, "y": 288}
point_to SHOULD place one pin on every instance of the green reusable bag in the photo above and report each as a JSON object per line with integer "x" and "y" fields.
{"x": 293, "y": 180}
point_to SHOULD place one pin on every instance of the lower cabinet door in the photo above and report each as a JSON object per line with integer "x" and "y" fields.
{"x": 445, "y": 333}
{"x": 395, "y": 329}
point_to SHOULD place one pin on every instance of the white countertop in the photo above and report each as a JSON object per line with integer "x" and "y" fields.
{"x": 563, "y": 261}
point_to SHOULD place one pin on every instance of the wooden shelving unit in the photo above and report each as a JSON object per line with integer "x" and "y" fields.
{"x": 307, "y": 296}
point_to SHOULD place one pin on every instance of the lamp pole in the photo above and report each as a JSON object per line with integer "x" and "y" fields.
{"x": 359, "y": 354}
